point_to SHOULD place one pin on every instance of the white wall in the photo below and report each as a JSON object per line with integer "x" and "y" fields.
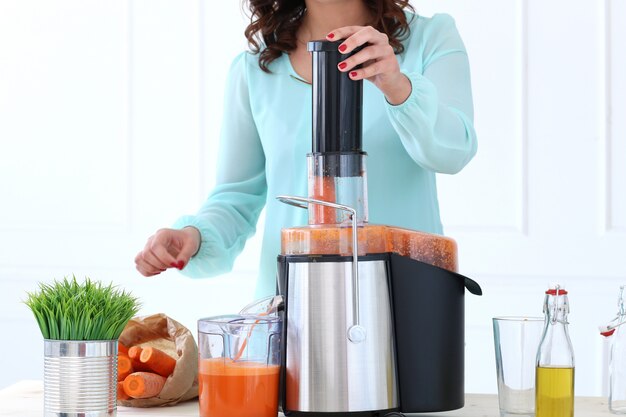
{"x": 545, "y": 199}
{"x": 109, "y": 114}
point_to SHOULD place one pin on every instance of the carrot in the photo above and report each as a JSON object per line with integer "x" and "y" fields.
{"x": 324, "y": 189}
{"x": 121, "y": 394}
{"x": 124, "y": 367}
{"x": 121, "y": 348}
{"x": 158, "y": 361}
{"x": 143, "y": 384}
{"x": 134, "y": 353}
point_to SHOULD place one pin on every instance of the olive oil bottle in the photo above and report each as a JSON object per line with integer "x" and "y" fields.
{"x": 554, "y": 385}
{"x": 555, "y": 392}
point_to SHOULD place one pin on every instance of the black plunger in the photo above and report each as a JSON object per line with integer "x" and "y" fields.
{"x": 337, "y": 101}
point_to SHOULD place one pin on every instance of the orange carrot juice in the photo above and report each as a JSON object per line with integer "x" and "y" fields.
{"x": 237, "y": 389}
{"x": 324, "y": 189}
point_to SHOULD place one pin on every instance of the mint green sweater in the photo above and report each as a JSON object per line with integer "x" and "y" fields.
{"x": 266, "y": 135}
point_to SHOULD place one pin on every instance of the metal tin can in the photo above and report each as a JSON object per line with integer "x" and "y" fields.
{"x": 80, "y": 378}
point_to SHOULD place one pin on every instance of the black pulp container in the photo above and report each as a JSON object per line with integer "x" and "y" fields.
{"x": 429, "y": 321}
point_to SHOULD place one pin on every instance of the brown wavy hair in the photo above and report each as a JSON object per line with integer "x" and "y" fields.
{"x": 274, "y": 23}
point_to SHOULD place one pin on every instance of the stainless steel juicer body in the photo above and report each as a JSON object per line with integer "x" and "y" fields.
{"x": 326, "y": 372}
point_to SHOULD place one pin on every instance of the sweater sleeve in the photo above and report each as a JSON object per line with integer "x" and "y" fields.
{"x": 435, "y": 123}
{"x": 229, "y": 215}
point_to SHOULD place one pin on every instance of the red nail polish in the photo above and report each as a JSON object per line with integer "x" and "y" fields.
{"x": 330, "y": 35}
{"x": 353, "y": 74}
{"x": 181, "y": 264}
{"x": 342, "y": 65}
{"x": 174, "y": 265}
{"x": 342, "y": 48}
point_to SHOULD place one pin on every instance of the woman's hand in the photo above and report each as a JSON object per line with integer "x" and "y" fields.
{"x": 168, "y": 248}
{"x": 380, "y": 64}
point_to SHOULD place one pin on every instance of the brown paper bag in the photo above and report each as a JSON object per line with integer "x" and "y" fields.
{"x": 173, "y": 338}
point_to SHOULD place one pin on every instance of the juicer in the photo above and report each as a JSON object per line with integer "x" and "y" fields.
{"x": 374, "y": 314}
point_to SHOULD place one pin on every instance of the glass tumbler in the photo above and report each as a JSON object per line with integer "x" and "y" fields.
{"x": 516, "y": 342}
{"x": 239, "y": 364}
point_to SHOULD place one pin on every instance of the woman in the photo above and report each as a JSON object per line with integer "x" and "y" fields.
{"x": 417, "y": 121}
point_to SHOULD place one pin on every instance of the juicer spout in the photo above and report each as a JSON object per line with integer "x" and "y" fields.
{"x": 267, "y": 306}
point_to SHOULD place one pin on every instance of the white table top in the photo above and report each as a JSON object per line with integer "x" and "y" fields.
{"x": 25, "y": 399}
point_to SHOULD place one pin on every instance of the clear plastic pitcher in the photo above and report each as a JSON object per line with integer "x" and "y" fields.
{"x": 239, "y": 364}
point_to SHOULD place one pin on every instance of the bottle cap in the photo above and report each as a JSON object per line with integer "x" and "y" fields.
{"x": 553, "y": 287}
{"x": 606, "y": 331}
{"x": 609, "y": 333}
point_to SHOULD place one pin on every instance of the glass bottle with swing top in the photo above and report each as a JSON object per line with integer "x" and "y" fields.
{"x": 555, "y": 359}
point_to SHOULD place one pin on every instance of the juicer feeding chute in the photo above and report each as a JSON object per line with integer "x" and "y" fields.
{"x": 336, "y": 162}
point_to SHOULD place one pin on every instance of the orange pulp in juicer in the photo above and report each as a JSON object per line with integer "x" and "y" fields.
{"x": 237, "y": 389}
{"x": 326, "y": 239}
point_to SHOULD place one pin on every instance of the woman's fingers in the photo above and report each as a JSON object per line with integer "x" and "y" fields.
{"x": 186, "y": 252}
{"x": 147, "y": 272}
{"x": 159, "y": 249}
{"x": 381, "y": 68}
{"x": 190, "y": 240}
{"x": 377, "y": 58}
{"x": 144, "y": 267}
{"x": 356, "y": 36}
{"x": 158, "y": 253}
{"x": 147, "y": 265}
{"x": 152, "y": 259}
{"x": 371, "y": 53}
{"x": 343, "y": 33}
